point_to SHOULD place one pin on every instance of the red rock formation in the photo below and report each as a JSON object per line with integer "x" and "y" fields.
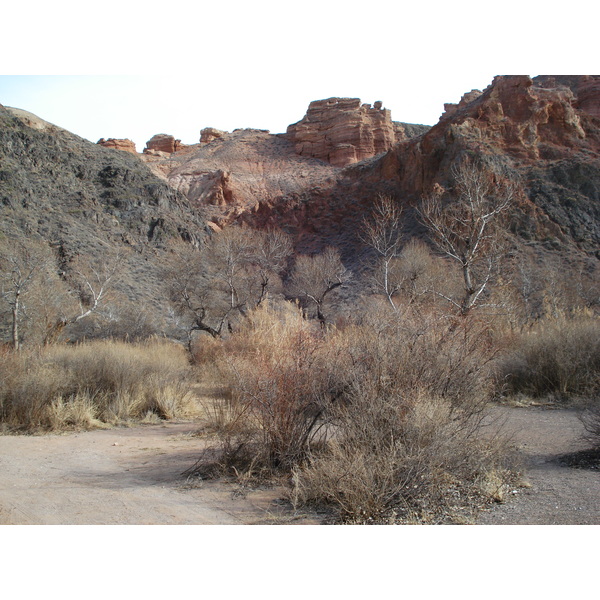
{"x": 126, "y": 145}
{"x": 341, "y": 131}
{"x": 245, "y": 169}
{"x": 161, "y": 142}
{"x": 512, "y": 117}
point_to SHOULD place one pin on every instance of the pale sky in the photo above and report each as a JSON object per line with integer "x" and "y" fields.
{"x": 130, "y": 69}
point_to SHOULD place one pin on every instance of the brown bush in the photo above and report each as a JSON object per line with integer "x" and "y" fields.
{"x": 409, "y": 443}
{"x": 379, "y": 420}
{"x": 403, "y": 459}
{"x": 281, "y": 377}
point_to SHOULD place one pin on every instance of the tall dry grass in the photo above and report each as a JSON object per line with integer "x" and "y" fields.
{"x": 559, "y": 358}
{"x": 104, "y": 381}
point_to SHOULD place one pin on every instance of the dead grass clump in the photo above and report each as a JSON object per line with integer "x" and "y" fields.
{"x": 558, "y": 358}
{"x": 108, "y": 381}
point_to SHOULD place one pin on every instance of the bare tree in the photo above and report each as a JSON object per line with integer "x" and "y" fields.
{"x": 381, "y": 232}
{"x": 465, "y": 228}
{"x": 231, "y": 272}
{"x": 315, "y": 277}
{"x": 21, "y": 265}
{"x": 270, "y": 258}
{"x": 90, "y": 280}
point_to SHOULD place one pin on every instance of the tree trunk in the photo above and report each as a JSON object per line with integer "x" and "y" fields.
{"x": 15, "y": 323}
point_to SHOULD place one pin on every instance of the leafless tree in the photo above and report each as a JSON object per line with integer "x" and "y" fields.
{"x": 231, "y": 272}
{"x": 381, "y": 232}
{"x": 89, "y": 280}
{"x": 315, "y": 277}
{"x": 21, "y": 266}
{"x": 466, "y": 227}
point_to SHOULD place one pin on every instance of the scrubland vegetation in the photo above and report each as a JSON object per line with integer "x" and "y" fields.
{"x": 372, "y": 407}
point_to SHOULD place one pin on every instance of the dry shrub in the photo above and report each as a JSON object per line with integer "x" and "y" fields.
{"x": 380, "y": 420}
{"x": 282, "y": 378}
{"x": 408, "y": 443}
{"x": 399, "y": 459}
{"x": 590, "y": 418}
{"x": 78, "y": 385}
{"x": 558, "y": 358}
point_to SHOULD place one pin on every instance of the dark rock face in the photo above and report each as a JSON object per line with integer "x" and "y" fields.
{"x": 84, "y": 199}
{"x": 65, "y": 180}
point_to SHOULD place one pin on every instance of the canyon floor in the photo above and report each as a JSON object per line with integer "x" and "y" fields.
{"x": 135, "y": 475}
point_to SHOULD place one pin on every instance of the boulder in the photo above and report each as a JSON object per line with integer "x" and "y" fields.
{"x": 163, "y": 142}
{"x": 208, "y": 134}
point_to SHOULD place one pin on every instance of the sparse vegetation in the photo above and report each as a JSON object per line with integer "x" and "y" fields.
{"x": 379, "y": 418}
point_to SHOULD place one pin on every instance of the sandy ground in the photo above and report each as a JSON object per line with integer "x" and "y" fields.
{"x": 121, "y": 476}
{"x": 559, "y": 494}
{"x": 134, "y": 476}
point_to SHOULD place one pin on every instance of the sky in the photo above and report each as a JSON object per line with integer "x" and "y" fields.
{"x": 131, "y": 69}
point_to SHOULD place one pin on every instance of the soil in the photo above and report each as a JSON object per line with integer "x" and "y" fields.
{"x": 124, "y": 476}
{"x": 561, "y": 472}
{"x": 136, "y": 476}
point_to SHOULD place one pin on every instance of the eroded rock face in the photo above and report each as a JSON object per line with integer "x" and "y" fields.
{"x": 547, "y": 134}
{"x": 208, "y": 134}
{"x": 125, "y": 145}
{"x": 162, "y": 142}
{"x": 342, "y": 131}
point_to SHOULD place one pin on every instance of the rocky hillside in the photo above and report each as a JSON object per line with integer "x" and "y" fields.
{"x": 317, "y": 181}
{"x": 320, "y": 178}
{"x": 84, "y": 199}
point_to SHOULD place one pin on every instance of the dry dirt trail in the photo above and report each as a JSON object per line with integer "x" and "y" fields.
{"x": 118, "y": 476}
{"x": 559, "y": 494}
{"x": 134, "y": 476}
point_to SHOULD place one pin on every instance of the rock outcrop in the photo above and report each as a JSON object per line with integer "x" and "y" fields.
{"x": 237, "y": 173}
{"x": 541, "y": 129}
{"x": 125, "y": 145}
{"x": 342, "y": 131}
{"x": 162, "y": 142}
{"x": 208, "y": 134}
{"x": 588, "y": 96}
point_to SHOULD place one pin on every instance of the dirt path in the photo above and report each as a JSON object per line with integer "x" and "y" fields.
{"x": 134, "y": 476}
{"x": 118, "y": 476}
{"x": 559, "y": 494}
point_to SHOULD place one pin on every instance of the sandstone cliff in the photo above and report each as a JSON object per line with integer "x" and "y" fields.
{"x": 342, "y": 131}
{"x": 231, "y": 174}
{"x": 545, "y": 131}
